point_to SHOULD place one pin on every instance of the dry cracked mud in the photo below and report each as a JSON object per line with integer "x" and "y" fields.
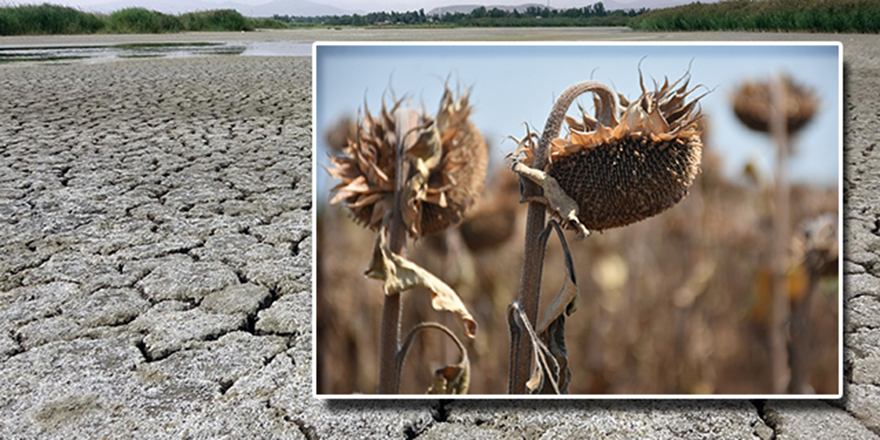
{"x": 155, "y": 270}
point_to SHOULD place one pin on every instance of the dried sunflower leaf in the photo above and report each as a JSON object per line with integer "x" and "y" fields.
{"x": 554, "y": 197}
{"x": 566, "y": 301}
{"x": 451, "y": 379}
{"x": 554, "y": 339}
{"x": 401, "y": 274}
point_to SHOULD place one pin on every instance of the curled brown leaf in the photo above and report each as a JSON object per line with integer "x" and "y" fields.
{"x": 566, "y": 301}
{"x": 401, "y": 274}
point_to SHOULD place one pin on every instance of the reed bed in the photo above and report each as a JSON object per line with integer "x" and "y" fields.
{"x": 53, "y": 19}
{"x": 856, "y": 16}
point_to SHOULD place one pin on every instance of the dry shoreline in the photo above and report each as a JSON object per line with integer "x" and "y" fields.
{"x": 456, "y": 34}
{"x": 155, "y": 249}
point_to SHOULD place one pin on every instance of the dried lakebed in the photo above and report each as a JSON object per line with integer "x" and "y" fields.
{"x": 109, "y": 52}
{"x": 155, "y": 258}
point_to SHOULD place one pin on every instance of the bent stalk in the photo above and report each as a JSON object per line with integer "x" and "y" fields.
{"x": 533, "y": 259}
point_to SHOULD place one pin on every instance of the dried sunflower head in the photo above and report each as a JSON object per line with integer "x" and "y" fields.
{"x": 752, "y": 104}
{"x": 339, "y": 133}
{"x": 640, "y": 161}
{"x": 447, "y": 157}
{"x": 491, "y": 224}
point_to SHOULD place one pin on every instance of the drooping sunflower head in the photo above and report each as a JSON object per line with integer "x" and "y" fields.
{"x": 446, "y": 157}
{"x": 639, "y": 162}
{"x": 753, "y": 103}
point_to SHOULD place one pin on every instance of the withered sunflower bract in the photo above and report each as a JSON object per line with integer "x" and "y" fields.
{"x": 448, "y": 159}
{"x": 639, "y": 162}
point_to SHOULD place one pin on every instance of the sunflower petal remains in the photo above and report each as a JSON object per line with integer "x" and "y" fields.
{"x": 639, "y": 165}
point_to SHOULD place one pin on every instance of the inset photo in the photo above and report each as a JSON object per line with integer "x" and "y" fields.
{"x": 608, "y": 220}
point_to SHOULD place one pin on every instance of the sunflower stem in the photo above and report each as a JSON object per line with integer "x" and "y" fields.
{"x": 533, "y": 254}
{"x": 779, "y": 361}
{"x": 388, "y": 341}
{"x": 389, "y": 336}
{"x": 408, "y": 342}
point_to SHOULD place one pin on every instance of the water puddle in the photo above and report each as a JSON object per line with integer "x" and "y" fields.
{"x": 98, "y": 53}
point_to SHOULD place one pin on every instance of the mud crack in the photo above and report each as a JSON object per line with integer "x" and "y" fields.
{"x": 769, "y": 418}
{"x": 307, "y": 430}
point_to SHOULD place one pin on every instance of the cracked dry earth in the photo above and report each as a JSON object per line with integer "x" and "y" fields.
{"x": 155, "y": 253}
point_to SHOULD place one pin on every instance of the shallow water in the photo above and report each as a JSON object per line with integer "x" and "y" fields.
{"x": 99, "y": 53}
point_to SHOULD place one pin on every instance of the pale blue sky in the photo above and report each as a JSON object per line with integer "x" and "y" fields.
{"x": 511, "y": 85}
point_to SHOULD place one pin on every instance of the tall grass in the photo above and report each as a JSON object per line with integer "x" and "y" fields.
{"x": 141, "y": 21}
{"x": 51, "y": 19}
{"x": 267, "y": 23}
{"x": 219, "y": 20}
{"x": 47, "y": 19}
{"x": 858, "y": 16}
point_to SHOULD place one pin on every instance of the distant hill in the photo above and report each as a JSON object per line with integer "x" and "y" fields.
{"x": 302, "y": 8}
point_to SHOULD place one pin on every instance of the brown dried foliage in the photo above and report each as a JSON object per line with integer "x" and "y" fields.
{"x": 655, "y": 331}
{"x": 639, "y": 166}
{"x": 442, "y": 190}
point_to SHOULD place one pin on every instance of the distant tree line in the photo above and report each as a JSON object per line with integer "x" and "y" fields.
{"x": 591, "y": 15}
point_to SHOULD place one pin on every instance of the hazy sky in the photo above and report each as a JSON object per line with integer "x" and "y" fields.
{"x": 516, "y": 84}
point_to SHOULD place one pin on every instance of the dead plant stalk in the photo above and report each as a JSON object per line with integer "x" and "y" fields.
{"x": 533, "y": 259}
{"x": 781, "y": 236}
{"x": 389, "y": 335}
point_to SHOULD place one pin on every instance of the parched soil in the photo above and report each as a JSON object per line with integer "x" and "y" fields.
{"x": 155, "y": 263}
